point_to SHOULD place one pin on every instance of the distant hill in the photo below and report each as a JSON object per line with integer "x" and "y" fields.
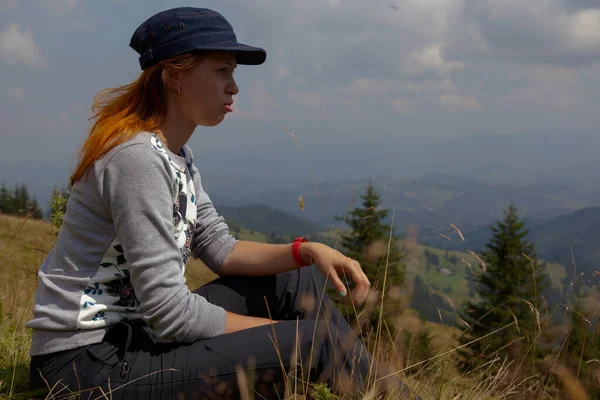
{"x": 579, "y": 230}
{"x": 430, "y": 203}
{"x": 567, "y": 160}
{"x": 268, "y": 220}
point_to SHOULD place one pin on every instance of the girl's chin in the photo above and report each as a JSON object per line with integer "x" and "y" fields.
{"x": 216, "y": 121}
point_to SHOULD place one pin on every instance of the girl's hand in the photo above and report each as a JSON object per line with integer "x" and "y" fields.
{"x": 333, "y": 265}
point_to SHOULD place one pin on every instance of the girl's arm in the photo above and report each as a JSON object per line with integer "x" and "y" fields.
{"x": 259, "y": 259}
{"x": 237, "y": 322}
{"x": 256, "y": 259}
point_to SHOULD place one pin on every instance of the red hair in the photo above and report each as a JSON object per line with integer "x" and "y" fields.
{"x": 121, "y": 113}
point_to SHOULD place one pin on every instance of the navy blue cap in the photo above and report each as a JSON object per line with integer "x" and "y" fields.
{"x": 185, "y": 29}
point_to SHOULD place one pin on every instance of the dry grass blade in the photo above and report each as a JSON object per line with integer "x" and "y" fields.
{"x": 444, "y": 236}
{"x": 476, "y": 256}
{"x": 277, "y": 349}
{"x": 572, "y": 388}
{"x": 468, "y": 264}
{"x": 242, "y": 382}
{"x": 458, "y": 231}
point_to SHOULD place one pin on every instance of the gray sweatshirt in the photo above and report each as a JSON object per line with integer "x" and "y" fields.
{"x": 132, "y": 223}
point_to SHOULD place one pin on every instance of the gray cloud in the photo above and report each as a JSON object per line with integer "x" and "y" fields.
{"x": 579, "y": 4}
{"x": 514, "y": 31}
{"x": 18, "y": 46}
{"x": 15, "y": 95}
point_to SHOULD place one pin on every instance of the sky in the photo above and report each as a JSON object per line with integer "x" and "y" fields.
{"x": 339, "y": 73}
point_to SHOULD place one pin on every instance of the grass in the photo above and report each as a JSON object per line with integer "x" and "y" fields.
{"x": 24, "y": 243}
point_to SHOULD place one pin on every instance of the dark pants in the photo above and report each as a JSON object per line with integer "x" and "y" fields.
{"x": 313, "y": 343}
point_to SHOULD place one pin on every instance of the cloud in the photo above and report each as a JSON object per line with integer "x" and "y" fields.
{"x": 15, "y": 95}
{"x": 10, "y": 4}
{"x": 584, "y": 32}
{"x": 401, "y": 94}
{"x": 579, "y": 4}
{"x": 402, "y": 106}
{"x": 453, "y": 102}
{"x": 282, "y": 71}
{"x": 512, "y": 30}
{"x": 59, "y": 7}
{"x": 430, "y": 59}
{"x": 310, "y": 99}
{"x": 18, "y": 46}
{"x": 544, "y": 87}
{"x": 56, "y": 7}
{"x": 260, "y": 104}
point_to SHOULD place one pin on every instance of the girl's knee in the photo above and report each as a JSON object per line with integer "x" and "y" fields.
{"x": 318, "y": 333}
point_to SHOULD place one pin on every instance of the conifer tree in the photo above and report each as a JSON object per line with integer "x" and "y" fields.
{"x": 5, "y": 200}
{"x": 367, "y": 242}
{"x": 35, "y": 210}
{"x": 19, "y": 202}
{"x": 509, "y": 290}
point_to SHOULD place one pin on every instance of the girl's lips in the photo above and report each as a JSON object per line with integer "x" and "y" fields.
{"x": 228, "y": 107}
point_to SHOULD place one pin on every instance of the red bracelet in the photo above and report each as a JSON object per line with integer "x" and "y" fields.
{"x": 296, "y": 251}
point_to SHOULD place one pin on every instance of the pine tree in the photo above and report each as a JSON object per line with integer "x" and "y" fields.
{"x": 367, "y": 243}
{"x": 34, "y": 209}
{"x": 510, "y": 289}
{"x": 5, "y": 200}
{"x": 21, "y": 199}
{"x": 19, "y": 202}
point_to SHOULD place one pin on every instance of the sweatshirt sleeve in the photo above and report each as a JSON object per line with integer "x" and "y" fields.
{"x": 212, "y": 241}
{"x": 137, "y": 190}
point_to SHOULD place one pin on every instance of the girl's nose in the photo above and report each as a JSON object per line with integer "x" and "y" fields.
{"x": 233, "y": 88}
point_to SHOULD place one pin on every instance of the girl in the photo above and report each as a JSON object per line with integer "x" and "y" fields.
{"x": 112, "y": 311}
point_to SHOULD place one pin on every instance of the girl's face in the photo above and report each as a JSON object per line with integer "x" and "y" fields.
{"x": 207, "y": 89}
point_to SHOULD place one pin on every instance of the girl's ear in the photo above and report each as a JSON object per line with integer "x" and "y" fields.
{"x": 171, "y": 78}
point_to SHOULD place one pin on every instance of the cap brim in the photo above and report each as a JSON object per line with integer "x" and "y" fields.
{"x": 244, "y": 54}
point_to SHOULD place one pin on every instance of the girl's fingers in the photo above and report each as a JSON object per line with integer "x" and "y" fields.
{"x": 337, "y": 283}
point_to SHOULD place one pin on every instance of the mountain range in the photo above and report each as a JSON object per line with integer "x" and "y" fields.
{"x": 428, "y": 184}
{"x": 567, "y": 160}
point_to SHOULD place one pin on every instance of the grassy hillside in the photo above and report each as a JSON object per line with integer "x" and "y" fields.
{"x": 458, "y": 263}
{"x": 24, "y": 244}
